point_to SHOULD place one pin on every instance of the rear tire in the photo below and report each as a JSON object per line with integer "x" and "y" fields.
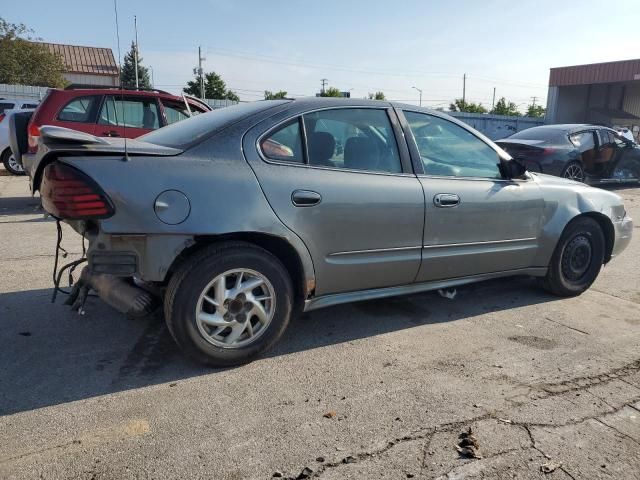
{"x": 574, "y": 171}
{"x": 219, "y": 320}
{"x": 10, "y": 163}
{"x": 577, "y": 259}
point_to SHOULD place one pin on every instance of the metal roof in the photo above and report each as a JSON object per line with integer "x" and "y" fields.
{"x": 609, "y": 72}
{"x": 91, "y": 60}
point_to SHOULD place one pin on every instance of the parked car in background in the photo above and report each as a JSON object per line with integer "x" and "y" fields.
{"x": 240, "y": 218}
{"x": 6, "y": 155}
{"x": 13, "y": 103}
{"x": 585, "y": 153}
{"x": 111, "y": 112}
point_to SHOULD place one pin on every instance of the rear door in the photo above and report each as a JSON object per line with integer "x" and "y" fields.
{"x": 339, "y": 179}
{"x": 127, "y": 116}
{"x": 476, "y": 222}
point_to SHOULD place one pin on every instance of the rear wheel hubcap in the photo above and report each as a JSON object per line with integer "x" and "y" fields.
{"x": 235, "y": 308}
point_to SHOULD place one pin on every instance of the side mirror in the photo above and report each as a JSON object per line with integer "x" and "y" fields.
{"x": 512, "y": 168}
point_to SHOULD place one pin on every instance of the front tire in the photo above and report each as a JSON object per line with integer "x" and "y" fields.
{"x": 228, "y": 303}
{"x": 11, "y": 164}
{"x": 577, "y": 259}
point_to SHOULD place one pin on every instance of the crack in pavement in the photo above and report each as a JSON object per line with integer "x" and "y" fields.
{"x": 549, "y": 390}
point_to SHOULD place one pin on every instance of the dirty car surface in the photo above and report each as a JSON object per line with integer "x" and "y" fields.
{"x": 238, "y": 219}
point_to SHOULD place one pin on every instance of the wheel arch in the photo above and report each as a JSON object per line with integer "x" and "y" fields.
{"x": 607, "y": 230}
{"x": 277, "y": 246}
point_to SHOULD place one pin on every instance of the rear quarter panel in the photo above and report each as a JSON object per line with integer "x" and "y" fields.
{"x": 223, "y": 192}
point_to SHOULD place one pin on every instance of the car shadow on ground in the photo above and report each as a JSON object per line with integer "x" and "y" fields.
{"x": 20, "y": 205}
{"x": 51, "y": 355}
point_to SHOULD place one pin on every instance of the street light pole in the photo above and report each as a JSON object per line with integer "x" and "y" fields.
{"x": 420, "y": 94}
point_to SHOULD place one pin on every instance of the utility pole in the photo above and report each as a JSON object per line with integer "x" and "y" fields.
{"x": 152, "y": 82}
{"x": 324, "y": 83}
{"x": 420, "y": 94}
{"x": 533, "y": 99}
{"x": 198, "y": 71}
{"x": 493, "y": 102}
{"x": 135, "y": 52}
{"x": 464, "y": 89}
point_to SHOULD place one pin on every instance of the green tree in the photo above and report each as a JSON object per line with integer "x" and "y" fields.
{"x": 535, "y": 111}
{"x": 274, "y": 95}
{"x": 506, "y": 108}
{"x": 331, "y": 92}
{"x": 214, "y": 88}
{"x": 128, "y": 73}
{"x": 460, "y": 105}
{"x": 25, "y": 62}
{"x": 377, "y": 96}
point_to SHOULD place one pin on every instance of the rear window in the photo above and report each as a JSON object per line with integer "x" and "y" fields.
{"x": 5, "y": 106}
{"x": 536, "y": 133}
{"x": 193, "y": 130}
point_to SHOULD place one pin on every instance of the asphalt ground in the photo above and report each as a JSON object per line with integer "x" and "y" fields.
{"x": 378, "y": 389}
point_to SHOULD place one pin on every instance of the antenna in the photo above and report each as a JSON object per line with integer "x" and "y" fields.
{"x": 115, "y": 108}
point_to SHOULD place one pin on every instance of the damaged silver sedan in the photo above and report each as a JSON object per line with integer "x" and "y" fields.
{"x": 236, "y": 220}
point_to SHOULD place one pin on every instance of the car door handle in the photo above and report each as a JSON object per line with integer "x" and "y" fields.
{"x": 305, "y": 198}
{"x": 445, "y": 200}
{"x": 111, "y": 133}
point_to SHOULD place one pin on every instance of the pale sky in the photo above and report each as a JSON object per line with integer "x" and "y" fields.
{"x": 362, "y": 46}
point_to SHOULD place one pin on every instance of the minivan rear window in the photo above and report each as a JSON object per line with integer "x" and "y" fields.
{"x": 193, "y": 130}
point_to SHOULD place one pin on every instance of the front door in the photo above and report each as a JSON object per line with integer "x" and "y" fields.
{"x": 337, "y": 179}
{"x": 475, "y": 221}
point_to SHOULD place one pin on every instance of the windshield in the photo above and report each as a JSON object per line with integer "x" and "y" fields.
{"x": 539, "y": 133}
{"x": 193, "y": 130}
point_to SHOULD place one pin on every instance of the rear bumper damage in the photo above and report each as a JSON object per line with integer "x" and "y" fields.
{"x": 120, "y": 293}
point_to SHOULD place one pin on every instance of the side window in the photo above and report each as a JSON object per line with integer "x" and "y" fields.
{"x": 30, "y": 105}
{"x": 175, "y": 112}
{"x": 583, "y": 140}
{"x": 132, "y": 113}
{"x": 78, "y": 110}
{"x": 352, "y": 138}
{"x": 285, "y": 144}
{"x": 447, "y": 149}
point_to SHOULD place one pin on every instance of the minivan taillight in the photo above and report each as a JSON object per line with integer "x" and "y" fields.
{"x": 69, "y": 194}
{"x": 2, "y": 115}
{"x": 34, "y": 134}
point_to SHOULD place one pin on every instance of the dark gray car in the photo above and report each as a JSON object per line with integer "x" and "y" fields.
{"x": 239, "y": 218}
{"x": 581, "y": 152}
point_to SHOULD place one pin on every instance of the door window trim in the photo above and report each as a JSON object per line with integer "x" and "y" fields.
{"x": 404, "y": 154}
{"x": 415, "y": 153}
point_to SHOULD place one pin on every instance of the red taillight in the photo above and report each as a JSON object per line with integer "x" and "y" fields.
{"x": 34, "y": 134}
{"x": 548, "y": 151}
{"x": 2, "y": 115}
{"x": 70, "y": 194}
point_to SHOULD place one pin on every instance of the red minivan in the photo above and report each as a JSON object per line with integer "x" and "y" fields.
{"x": 110, "y": 111}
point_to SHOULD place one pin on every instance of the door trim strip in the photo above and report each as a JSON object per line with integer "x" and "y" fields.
{"x": 489, "y": 242}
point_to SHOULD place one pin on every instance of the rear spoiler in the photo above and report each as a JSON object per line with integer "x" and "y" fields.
{"x": 52, "y": 134}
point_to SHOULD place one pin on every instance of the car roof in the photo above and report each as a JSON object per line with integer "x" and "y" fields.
{"x": 88, "y": 90}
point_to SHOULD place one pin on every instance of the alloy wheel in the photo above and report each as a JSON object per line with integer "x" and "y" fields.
{"x": 235, "y": 308}
{"x": 574, "y": 172}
